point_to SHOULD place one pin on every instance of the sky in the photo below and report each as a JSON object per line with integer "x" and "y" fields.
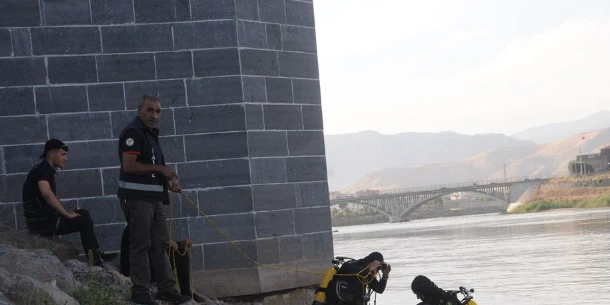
{"x": 469, "y": 66}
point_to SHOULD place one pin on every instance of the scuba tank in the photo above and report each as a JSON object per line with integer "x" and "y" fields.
{"x": 320, "y": 298}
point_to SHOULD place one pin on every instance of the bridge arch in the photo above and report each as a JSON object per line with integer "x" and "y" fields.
{"x": 418, "y": 205}
{"x": 370, "y": 207}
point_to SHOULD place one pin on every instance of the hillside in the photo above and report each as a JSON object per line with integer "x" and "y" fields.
{"x": 550, "y": 132}
{"x": 525, "y": 160}
{"x": 351, "y": 156}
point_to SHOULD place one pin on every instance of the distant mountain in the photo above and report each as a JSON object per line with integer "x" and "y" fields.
{"x": 525, "y": 160}
{"x": 350, "y": 156}
{"x": 550, "y": 132}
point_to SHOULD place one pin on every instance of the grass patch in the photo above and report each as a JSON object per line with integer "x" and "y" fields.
{"x": 600, "y": 201}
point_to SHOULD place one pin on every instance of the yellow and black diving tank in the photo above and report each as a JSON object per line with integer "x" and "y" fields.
{"x": 320, "y": 298}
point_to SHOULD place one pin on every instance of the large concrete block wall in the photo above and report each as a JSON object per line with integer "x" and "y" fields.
{"x": 241, "y": 122}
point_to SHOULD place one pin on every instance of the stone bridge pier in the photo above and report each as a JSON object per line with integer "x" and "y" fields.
{"x": 241, "y": 123}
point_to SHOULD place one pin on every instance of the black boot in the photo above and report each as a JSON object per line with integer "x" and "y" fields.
{"x": 197, "y": 298}
{"x": 172, "y": 296}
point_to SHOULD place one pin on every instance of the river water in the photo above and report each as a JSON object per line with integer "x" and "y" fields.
{"x": 556, "y": 257}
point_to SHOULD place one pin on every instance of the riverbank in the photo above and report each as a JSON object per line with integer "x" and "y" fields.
{"x": 600, "y": 201}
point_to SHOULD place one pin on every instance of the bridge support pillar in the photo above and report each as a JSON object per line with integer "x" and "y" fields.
{"x": 394, "y": 219}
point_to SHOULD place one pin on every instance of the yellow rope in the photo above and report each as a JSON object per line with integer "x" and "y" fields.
{"x": 362, "y": 278}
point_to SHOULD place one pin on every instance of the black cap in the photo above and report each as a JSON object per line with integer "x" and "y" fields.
{"x": 51, "y": 145}
{"x": 374, "y": 256}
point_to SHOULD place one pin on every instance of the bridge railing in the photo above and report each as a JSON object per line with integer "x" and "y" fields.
{"x": 446, "y": 185}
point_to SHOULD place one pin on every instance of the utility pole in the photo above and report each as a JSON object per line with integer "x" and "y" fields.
{"x": 582, "y": 172}
{"x": 505, "y": 176}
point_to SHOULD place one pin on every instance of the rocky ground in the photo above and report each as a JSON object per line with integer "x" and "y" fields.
{"x": 36, "y": 270}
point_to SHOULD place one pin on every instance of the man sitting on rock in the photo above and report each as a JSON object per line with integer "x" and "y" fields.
{"x": 182, "y": 263}
{"x": 43, "y": 211}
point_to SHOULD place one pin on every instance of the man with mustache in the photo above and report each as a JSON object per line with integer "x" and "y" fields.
{"x": 143, "y": 189}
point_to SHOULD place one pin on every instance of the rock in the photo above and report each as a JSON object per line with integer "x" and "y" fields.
{"x": 28, "y": 290}
{"x": 63, "y": 249}
{"x": 40, "y": 264}
{"x": 6, "y": 280}
{"x": 4, "y": 300}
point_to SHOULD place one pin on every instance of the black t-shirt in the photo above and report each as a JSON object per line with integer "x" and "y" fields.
{"x": 36, "y": 209}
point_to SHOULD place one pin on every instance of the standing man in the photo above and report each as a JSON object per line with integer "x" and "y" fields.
{"x": 143, "y": 189}
{"x": 43, "y": 211}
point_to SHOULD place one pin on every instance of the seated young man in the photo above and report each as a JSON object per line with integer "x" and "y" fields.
{"x": 182, "y": 264}
{"x": 43, "y": 211}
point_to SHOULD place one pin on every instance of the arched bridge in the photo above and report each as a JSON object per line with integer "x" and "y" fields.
{"x": 397, "y": 205}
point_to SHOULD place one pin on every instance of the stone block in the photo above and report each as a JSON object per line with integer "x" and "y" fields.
{"x": 120, "y": 119}
{"x": 182, "y": 206}
{"x": 267, "y": 144}
{"x": 65, "y": 12}
{"x": 106, "y": 97}
{"x": 24, "y": 130}
{"x": 72, "y": 69}
{"x": 291, "y": 248}
{"x": 19, "y": 13}
{"x": 70, "y": 127}
{"x": 21, "y": 158}
{"x": 174, "y": 65}
{"x": 112, "y": 11}
{"x": 61, "y": 99}
{"x": 298, "y": 65}
{"x": 79, "y": 183}
{"x": 153, "y": 11}
{"x": 318, "y": 245}
{"x": 92, "y": 154}
{"x": 268, "y": 251}
{"x": 283, "y": 117}
{"x": 268, "y": 170}
{"x": 128, "y": 67}
{"x": 218, "y": 283}
{"x": 216, "y": 62}
{"x": 246, "y": 9}
{"x": 202, "y": 35}
{"x": 197, "y": 257}
{"x": 17, "y": 101}
{"x": 309, "y": 279}
{"x": 210, "y": 119}
{"x": 312, "y": 117}
{"x": 273, "y": 197}
{"x": 213, "y": 9}
{"x": 2, "y": 171}
{"x": 274, "y": 223}
{"x": 254, "y": 117}
{"x": 312, "y": 220}
{"x": 254, "y": 89}
{"x": 171, "y": 93}
{"x": 6, "y": 45}
{"x": 22, "y": 44}
{"x": 313, "y": 194}
{"x": 22, "y": 71}
{"x": 274, "y": 36}
{"x": 137, "y": 38}
{"x": 236, "y": 226}
{"x": 273, "y": 11}
{"x": 259, "y": 62}
{"x": 173, "y": 148}
{"x": 300, "y": 39}
{"x": 300, "y": 13}
{"x": 251, "y": 34}
{"x": 214, "y": 91}
{"x": 224, "y": 256}
{"x": 306, "y": 91}
{"x": 108, "y": 236}
{"x": 302, "y": 169}
{"x": 65, "y": 40}
{"x": 7, "y": 216}
{"x": 216, "y": 146}
{"x": 306, "y": 143}
{"x": 214, "y": 173}
{"x": 103, "y": 210}
{"x": 11, "y": 187}
{"x": 279, "y": 90}
{"x": 178, "y": 228}
{"x": 228, "y": 200}
{"x": 110, "y": 180}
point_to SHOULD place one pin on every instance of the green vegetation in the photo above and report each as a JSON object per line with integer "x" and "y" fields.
{"x": 95, "y": 293}
{"x": 600, "y": 201}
